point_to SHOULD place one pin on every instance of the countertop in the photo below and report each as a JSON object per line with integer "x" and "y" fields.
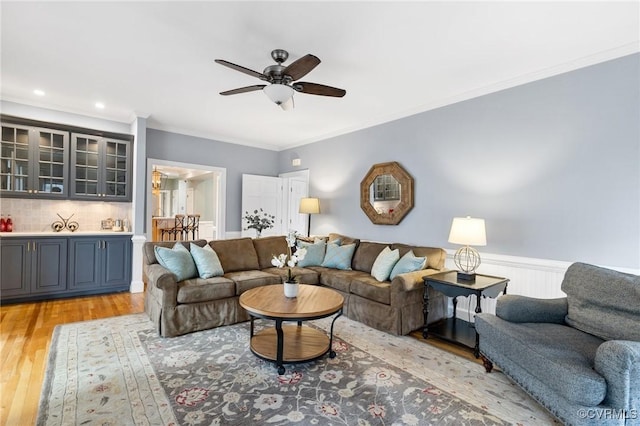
{"x": 61, "y": 234}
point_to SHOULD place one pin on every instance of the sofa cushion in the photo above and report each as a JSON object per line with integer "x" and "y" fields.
{"x": 206, "y": 261}
{"x": 366, "y": 255}
{"x": 148, "y": 249}
{"x": 338, "y": 257}
{"x": 372, "y": 289}
{"x": 435, "y": 256}
{"x": 178, "y": 260}
{"x": 603, "y": 302}
{"x": 559, "y": 356}
{"x": 267, "y": 247}
{"x": 198, "y": 290}
{"x": 408, "y": 263}
{"x": 301, "y": 275}
{"x": 384, "y": 263}
{"x": 315, "y": 253}
{"x": 237, "y": 254}
{"x": 343, "y": 239}
{"x": 336, "y": 279}
{"x": 246, "y": 280}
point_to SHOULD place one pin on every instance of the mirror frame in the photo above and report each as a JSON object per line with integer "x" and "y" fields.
{"x": 406, "y": 193}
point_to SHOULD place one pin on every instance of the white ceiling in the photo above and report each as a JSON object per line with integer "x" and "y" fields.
{"x": 393, "y": 58}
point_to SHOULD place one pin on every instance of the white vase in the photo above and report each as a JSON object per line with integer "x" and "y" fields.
{"x": 291, "y": 289}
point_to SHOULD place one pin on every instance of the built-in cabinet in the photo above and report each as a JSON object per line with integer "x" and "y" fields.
{"x": 52, "y": 267}
{"x": 64, "y": 162}
{"x": 100, "y": 168}
{"x": 34, "y": 266}
{"x": 99, "y": 263}
{"x": 33, "y": 162}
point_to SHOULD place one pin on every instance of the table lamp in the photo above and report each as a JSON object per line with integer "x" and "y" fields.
{"x": 468, "y": 231}
{"x": 309, "y": 206}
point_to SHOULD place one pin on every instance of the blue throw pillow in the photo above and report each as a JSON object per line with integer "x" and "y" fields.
{"x": 207, "y": 261}
{"x": 384, "y": 263}
{"x": 315, "y": 254}
{"x": 177, "y": 260}
{"x": 408, "y": 263}
{"x": 338, "y": 257}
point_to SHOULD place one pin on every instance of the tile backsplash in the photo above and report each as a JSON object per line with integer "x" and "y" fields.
{"x": 30, "y": 215}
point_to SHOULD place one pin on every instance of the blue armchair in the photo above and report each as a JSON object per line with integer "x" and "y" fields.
{"x": 578, "y": 356}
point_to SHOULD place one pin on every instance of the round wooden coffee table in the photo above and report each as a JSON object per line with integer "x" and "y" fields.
{"x": 291, "y": 343}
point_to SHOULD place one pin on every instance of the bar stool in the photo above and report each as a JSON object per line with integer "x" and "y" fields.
{"x": 193, "y": 226}
{"x": 178, "y": 229}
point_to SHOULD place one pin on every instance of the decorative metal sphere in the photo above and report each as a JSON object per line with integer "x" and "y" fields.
{"x": 467, "y": 259}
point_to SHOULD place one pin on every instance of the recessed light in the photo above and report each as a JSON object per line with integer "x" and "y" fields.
{"x": 39, "y": 92}
{"x": 99, "y": 105}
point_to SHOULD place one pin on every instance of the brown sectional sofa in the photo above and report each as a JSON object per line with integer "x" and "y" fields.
{"x": 196, "y": 304}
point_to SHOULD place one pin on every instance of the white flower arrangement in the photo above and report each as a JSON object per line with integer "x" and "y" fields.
{"x": 289, "y": 259}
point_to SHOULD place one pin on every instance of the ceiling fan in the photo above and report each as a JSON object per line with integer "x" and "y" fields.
{"x": 283, "y": 79}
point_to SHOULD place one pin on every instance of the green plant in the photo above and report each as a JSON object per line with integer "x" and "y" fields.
{"x": 259, "y": 220}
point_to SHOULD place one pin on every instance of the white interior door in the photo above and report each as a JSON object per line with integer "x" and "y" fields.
{"x": 262, "y": 192}
{"x": 190, "y": 201}
{"x": 298, "y": 189}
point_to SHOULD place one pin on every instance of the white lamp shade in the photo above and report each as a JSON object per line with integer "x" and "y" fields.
{"x": 278, "y": 93}
{"x": 288, "y": 104}
{"x": 468, "y": 231}
{"x": 309, "y": 206}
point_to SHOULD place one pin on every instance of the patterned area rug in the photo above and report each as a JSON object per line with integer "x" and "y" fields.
{"x": 119, "y": 371}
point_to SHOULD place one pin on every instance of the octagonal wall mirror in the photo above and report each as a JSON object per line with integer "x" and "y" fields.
{"x": 386, "y": 193}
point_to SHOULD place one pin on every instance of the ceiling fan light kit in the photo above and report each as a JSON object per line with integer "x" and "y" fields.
{"x": 281, "y": 79}
{"x": 278, "y": 93}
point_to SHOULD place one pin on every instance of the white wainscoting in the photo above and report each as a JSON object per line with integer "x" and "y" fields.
{"x": 540, "y": 278}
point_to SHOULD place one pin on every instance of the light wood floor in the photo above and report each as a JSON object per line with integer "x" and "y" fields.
{"x": 25, "y": 335}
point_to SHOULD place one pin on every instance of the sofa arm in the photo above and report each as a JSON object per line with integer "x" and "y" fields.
{"x": 618, "y": 361}
{"x": 161, "y": 277}
{"x": 412, "y": 280}
{"x": 514, "y": 308}
{"x": 164, "y": 281}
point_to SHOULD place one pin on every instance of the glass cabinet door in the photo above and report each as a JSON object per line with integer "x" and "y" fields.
{"x": 14, "y": 159}
{"x": 32, "y": 161}
{"x": 116, "y": 168}
{"x": 52, "y": 151}
{"x": 100, "y": 168}
{"x": 85, "y": 159}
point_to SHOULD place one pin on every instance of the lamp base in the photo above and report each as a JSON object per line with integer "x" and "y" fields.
{"x": 467, "y": 276}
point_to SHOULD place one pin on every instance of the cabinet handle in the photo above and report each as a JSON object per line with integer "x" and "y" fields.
{"x": 34, "y": 246}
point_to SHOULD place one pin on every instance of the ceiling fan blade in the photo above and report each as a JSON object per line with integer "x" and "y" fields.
{"x": 318, "y": 89}
{"x": 301, "y": 67}
{"x": 241, "y": 69}
{"x": 243, "y": 89}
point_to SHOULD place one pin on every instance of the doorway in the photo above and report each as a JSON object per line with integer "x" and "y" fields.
{"x": 184, "y": 188}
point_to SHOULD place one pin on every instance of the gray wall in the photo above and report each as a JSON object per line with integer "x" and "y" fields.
{"x": 237, "y": 159}
{"x": 553, "y": 166}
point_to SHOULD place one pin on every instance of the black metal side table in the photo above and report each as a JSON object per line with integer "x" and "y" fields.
{"x": 454, "y": 329}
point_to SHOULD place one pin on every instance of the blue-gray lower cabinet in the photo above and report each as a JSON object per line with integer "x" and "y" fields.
{"x": 99, "y": 263}
{"x": 43, "y": 268}
{"x": 34, "y": 266}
